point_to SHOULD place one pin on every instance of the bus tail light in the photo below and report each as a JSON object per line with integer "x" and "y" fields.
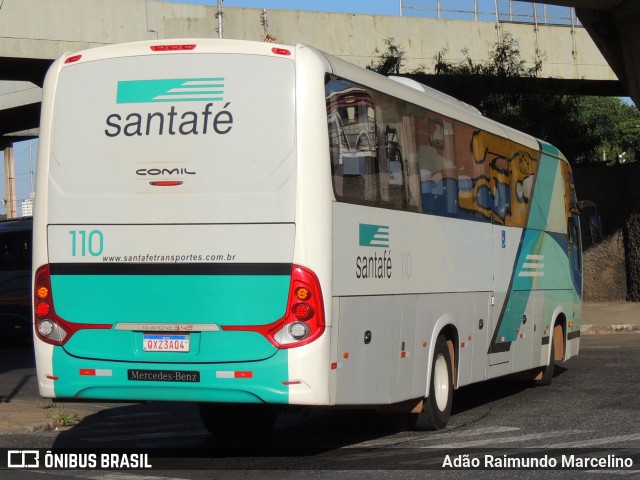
{"x": 281, "y": 51}
{"x": 50, "y": 328}
{"x": 73, "y": 59}
{"x": 303, "y": 321}
{"x": 173, "y": 47}
{"x": 166, "y": 183}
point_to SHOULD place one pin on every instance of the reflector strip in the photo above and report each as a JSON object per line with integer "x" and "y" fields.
{"x": 52, "y": 377}
{"x": 232, "y": 374}
{"x": 292, "y": 382}
{"x": 96, "y": 372}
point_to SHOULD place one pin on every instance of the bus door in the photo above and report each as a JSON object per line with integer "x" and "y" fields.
{"x": 504, "y": 243}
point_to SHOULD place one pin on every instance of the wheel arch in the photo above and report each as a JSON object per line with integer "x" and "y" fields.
{"x": 559, "y": 336}
{"x": 450, "y": 333}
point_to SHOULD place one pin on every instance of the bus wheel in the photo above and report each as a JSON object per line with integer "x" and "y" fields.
{"x": 234, "y": 419}
{"x": 549, "y": 370}
{"x": 436, "y": 408}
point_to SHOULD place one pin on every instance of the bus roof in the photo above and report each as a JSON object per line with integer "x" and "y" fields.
{"x": 186, "y": 45}
{"x": 16, "y": 224}
{"x": 437, "y": 102}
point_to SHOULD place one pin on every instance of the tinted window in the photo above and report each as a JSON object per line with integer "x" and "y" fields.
{"x": 389, "y": 153}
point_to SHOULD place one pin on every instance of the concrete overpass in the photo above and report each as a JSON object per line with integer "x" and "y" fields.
{"x": 614, "y": 27}
{"x": 34, "y": 32}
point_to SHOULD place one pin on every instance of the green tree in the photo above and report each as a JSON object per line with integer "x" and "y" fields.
{"x": 389, "y": 62}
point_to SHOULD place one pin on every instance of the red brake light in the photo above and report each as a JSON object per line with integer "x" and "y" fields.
{"x": 166, "y": 183}
{"x": 73, "y": 59}
{"x": 42, "y": 309}
{"x": 172, "y": 48}
{"x": 302, "y": 311}
{"x": 281, "y": 51}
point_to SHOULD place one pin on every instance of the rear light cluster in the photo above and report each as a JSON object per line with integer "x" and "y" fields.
{"x": 303, "y": 321}
{"x": 50, "y": 328}
{"x": 47, "y": 322}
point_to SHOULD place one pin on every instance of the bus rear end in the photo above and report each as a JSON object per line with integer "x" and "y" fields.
{"x": 165, "y": 225}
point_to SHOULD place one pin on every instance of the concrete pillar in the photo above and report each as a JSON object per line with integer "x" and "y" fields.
{"x": 10, "y": 183}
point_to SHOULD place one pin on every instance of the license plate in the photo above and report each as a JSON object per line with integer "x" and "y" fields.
{"x": 165, "y": 343}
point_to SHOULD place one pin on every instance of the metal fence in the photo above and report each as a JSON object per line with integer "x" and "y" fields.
{"x": 491, "y": 11}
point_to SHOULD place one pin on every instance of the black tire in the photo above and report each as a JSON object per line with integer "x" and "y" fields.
{"x": 549, "y": 370}
{"x": 237, "y": 419}
{"x": 436, "y": 408}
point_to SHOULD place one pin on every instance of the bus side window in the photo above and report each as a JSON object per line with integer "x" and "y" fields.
{"x": 395, "y": 178}
{"x": 391, "y": 154}
{"x": 522, "y": 168}
{"x": 438, "y": 176}
{"x": 471, "y": 183}
{"x": 352, "y": 142}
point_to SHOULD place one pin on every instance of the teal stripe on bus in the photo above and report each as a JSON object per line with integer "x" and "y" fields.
{"x": 170, "y": 90}
{"x": 222, "y": 299}
{"x": 548, "y": 149}
{"x": 543, "y": 193}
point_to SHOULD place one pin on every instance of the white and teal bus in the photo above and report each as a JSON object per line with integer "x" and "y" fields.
{"x": 254, "y": 226}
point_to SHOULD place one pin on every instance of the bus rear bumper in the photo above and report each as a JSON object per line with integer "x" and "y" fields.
{"x": 249, "y": 382}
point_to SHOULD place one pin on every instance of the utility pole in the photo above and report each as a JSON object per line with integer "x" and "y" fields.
{"x": 219, "y": 15}
{"x": 264, "y": 21}
{"x": 10, "y": 182}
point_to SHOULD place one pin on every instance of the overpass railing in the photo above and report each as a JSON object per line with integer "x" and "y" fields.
{"x": 491, "y": 11}
{"x": 497, "y": 11}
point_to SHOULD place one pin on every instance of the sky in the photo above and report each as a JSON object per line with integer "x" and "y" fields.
{"x": 373, "y": 7}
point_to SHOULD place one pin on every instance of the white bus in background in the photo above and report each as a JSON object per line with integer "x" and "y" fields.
{"x": 254, "y": 226}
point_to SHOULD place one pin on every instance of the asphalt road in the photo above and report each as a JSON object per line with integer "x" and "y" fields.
{"x": 591, "y": 409}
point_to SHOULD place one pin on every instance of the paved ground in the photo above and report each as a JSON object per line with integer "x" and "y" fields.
{"x": 24, "y": 416}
